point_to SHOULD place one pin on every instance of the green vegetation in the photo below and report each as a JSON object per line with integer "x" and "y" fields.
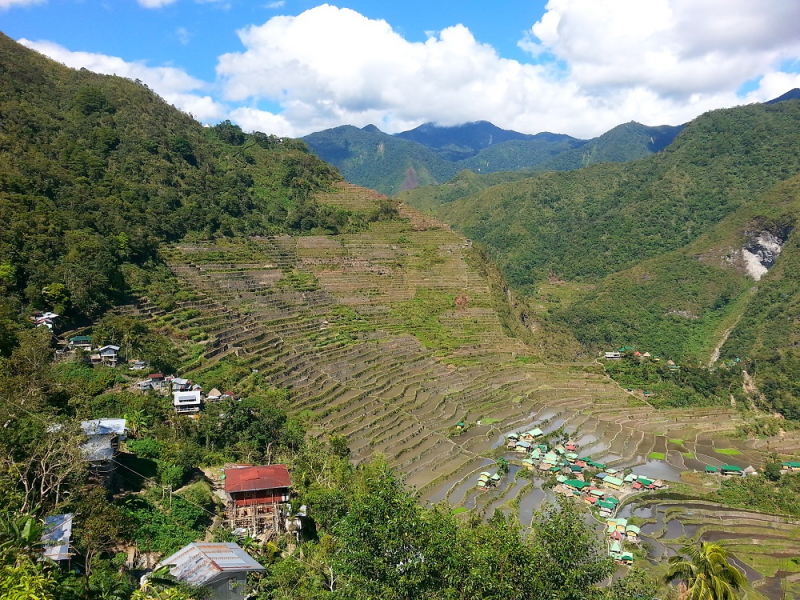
{"x": 657, "y": 456}
{"x": 671, "y": 387}
{"x": 706, "y": 572}
{"x": 762, "y": 494}
{"x": 650, "y": 253}
{"x": 97, "y": 170}
{"x": 727, "y": 451}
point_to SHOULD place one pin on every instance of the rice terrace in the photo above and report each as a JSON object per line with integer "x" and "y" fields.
{"x": 393, "y": 338}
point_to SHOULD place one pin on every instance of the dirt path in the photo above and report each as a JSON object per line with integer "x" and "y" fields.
{"x": 715, "y": 354}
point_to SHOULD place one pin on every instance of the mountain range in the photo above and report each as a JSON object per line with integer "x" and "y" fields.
{"x": 432, "y": 154}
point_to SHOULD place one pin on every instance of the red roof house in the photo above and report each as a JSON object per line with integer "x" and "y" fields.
{"x": 258, "y": 497}
{"x": 258, "y": 485}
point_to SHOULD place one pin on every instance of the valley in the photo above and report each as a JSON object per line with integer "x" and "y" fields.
{"x": 326, "y": 317}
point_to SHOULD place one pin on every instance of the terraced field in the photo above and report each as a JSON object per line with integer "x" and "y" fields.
{"x": 390, "y": 337}
{"x": 761, "y": 545}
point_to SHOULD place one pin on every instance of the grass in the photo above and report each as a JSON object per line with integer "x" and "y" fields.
{"x": 687, "y": 454}
{"x": 459, "y": 510}
{"x": 657, "y": 455}
{"x": 676, "y": 441}
{"x": 727, "y": 451}
{"x": 489, "y": 421}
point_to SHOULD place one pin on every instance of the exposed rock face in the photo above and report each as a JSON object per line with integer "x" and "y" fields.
{"x": 761, "y": 251}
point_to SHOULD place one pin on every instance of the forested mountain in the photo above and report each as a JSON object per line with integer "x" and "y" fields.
{"x": 95, "y": 171}
{"x": 658, "y": 249}
{"x": 463, "y": 141}
{"x": 432, "y": 154}
{"x": 378, "y": 160}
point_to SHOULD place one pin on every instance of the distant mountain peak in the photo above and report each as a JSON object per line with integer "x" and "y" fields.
{"x": 793, "y": 94}
{"x": 371, "y": 128}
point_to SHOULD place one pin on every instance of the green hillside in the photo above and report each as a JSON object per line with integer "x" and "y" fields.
{"x": 95, "y": 171}
{"x": 624, "y": 143}
{"x": 379, "y": 161}
{"x": 586, "y": 224}
{"x": 650, "y": 254}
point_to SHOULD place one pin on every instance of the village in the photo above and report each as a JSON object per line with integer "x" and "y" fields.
{"x": 256, "y": 498}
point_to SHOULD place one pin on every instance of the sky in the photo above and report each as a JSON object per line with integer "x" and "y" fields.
{"x": 292, "y": 67}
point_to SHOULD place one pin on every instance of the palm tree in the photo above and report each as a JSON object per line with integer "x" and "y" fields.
{"x": 706, "y": 573}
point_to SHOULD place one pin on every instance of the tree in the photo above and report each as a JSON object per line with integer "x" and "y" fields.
{"x": 568, "y": 558}
{"x": 101, "y": 527}
{"x": 44, "y": 470}
{"x": 502, "y": 466}
{"x": 706, "y": 573}
{"x": 636, "y": 585}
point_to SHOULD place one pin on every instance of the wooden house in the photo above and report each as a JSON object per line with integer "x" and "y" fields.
{"x": 102, "y": 444}
{"x": 258, "y": 498}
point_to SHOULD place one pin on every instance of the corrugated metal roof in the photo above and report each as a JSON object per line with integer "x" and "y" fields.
{"x": 200, "y": 563}
{"x": 245, "y": 479}
{"x": 103, "y": 427}
{"x": 56, "y": 536}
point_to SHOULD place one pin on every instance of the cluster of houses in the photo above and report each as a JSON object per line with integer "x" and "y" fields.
{"x": 104, "y": 355}
{"x": 618, "y": 531}
{"x": 257, "y": 505}
{"x": 563, "y": 462}
{"x": 618, "y": 354}
{"x": 731, "y": 470}
{"x": 487, "y": 480}
{"x": 45, "y": 319}
{"x": 187, "y": 396}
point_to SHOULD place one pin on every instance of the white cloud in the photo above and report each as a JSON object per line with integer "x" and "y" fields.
{"x": 155, "y": 3}
{"x": 183, "y": 35}
{"x": 252, "y": 119}
{"x": 172, "y": 84}
{"x": 676, "y": 48}
{"x": 601, "y": 63}
{"x": 278, "y": 4}
{"x": 9, "y": 3}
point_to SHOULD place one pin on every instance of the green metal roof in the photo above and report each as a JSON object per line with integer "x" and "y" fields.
{"x": 576, "y": 483}
{"x": 613, "y": 500}
{"x": 633, "y": 529}
{"x": 793, "y": 465}
{"x": 733, "y": 468}
{"x": 606, "y": 504}
{"x": 614, "y": 481}
{"x": 81, "y": 338}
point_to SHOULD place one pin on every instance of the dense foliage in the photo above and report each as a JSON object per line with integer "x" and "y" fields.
{"x": 97, "y": 170}
{"x": 674, "y": 386}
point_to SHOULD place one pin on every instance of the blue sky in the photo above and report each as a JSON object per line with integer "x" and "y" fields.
{"x": 570, "y": 66}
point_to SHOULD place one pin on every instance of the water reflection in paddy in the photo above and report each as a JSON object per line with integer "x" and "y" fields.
{"x": 659, "y": 469}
